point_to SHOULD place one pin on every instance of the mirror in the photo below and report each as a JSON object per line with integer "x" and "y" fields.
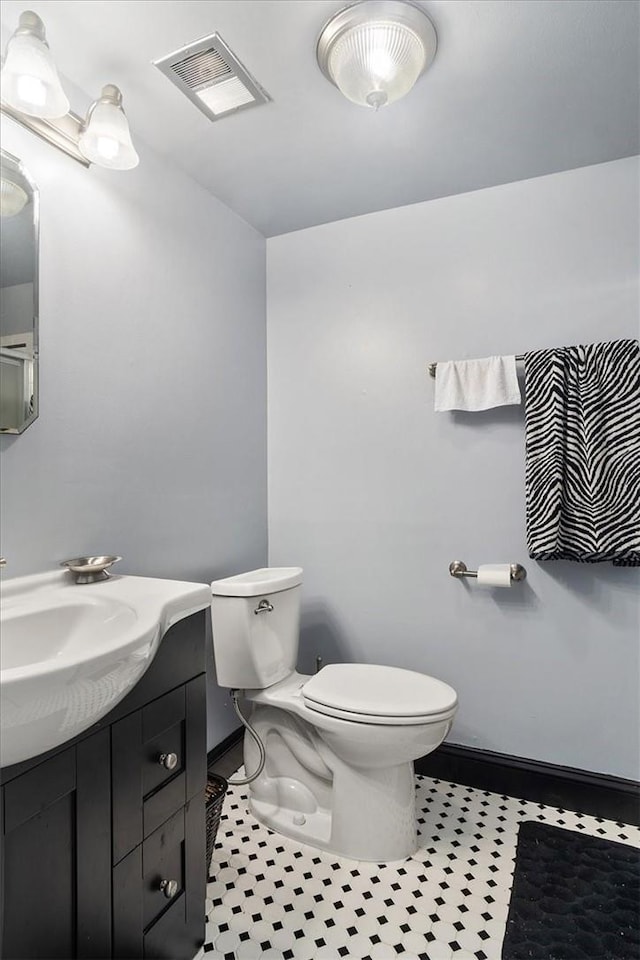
{"x": 18, "y": 296}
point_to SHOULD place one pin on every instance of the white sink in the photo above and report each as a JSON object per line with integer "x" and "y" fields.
{"x": 70, "y": 653}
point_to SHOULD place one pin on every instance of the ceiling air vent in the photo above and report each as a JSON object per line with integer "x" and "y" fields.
{"x": 212, "y": 77}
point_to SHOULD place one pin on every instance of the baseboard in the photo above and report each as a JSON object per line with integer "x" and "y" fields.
{"x": 597, "y": 794}
{"x": 224, "y": 746}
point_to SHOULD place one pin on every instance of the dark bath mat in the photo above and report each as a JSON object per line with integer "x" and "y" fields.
{"x": 574, "y": 897}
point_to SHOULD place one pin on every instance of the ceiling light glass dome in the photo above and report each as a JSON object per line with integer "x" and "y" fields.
{"x": 13, "y": 198}
{"x": 374, "y": 51}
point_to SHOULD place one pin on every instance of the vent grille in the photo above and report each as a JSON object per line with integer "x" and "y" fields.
{"x": 212, "y": 77}
{"x": 202, "y": 69}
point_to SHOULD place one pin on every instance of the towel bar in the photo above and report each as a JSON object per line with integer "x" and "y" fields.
{"x": 457, "y": 568}
{"x": 431, "y": 367}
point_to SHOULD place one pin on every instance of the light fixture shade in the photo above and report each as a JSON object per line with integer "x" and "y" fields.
{"x": 374, "y": 51}
{"x": 106, "y": 139}
{"x": 29, "y": 80}
{"x": 13, "y": 198}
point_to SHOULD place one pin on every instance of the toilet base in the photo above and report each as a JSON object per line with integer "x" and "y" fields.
{"x": 373, "y": 818}
{"x": 315, "y": 830}
{"x": 340, "y": 786}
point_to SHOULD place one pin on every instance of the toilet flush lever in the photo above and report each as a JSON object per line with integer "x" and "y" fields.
{"x": 263, "y": 607}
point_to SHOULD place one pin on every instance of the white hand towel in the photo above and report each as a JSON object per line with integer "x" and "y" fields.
{"x": 477, "y": 384}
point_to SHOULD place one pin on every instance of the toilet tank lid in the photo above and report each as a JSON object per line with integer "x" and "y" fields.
{"x": 257, "y": 583}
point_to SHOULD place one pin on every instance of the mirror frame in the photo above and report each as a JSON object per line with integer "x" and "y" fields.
{"x": 5, "y": 156}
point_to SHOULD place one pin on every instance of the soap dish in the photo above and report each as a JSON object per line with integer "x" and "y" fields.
{"x": 90, "y": 569}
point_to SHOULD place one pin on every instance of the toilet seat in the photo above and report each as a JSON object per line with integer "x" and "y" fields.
{"x": 368, "y": 693}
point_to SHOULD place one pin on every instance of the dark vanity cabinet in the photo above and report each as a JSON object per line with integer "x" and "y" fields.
{"x": 103, "y": 839}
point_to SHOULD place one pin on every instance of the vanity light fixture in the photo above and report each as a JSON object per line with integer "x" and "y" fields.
{"x": 375, "y": 50}
{"x": 33, "y": 96}
{"x": 30, "y": 81}
{"x": 105, "y": 138}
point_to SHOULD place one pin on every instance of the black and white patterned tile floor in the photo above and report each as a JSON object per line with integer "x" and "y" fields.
{"x": 270, "y": 898}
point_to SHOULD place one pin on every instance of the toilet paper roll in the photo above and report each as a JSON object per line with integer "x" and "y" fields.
{"x": 494, "y": 575}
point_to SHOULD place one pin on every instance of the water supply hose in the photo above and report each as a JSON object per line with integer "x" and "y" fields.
{"x": 249, "y": 728}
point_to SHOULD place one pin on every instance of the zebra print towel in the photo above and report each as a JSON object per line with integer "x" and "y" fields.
{"x": 582, "y": 414}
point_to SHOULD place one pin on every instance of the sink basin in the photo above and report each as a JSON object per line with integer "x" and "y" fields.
{"x": 70, "y": 653}
{"x": 58, "y": 633}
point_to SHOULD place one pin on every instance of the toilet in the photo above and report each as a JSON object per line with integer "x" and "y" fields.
{"x": 339, "y": 745}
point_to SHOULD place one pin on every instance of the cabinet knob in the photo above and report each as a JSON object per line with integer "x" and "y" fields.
{"x": 168, "y": 760}
{"x": 169, "y": 888}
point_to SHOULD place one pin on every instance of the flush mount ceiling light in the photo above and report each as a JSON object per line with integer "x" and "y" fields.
{"x": 375, "y": 50}
{"x": 105, "y": 137}
{"x": 30, "y": 81}
{"x": 32, "y": 95}
{"x": 13, "y": 198}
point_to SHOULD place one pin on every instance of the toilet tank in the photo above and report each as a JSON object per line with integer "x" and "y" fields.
{"x": 256, "y": 618}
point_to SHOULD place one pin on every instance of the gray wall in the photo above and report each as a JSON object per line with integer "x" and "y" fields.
{"x": 151, "y": 441}
{"x": 374, "y": 494}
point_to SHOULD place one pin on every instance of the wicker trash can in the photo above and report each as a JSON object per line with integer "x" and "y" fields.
{"x": 214, "y": 799}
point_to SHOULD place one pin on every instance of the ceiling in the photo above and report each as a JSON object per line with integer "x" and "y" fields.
{"x": 518, "y": 89}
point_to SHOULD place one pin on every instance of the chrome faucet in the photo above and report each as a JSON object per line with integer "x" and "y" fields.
{"x": 3, "y": 562}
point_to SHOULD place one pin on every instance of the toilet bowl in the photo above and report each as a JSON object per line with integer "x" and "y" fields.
{"x": 340, "y": 745}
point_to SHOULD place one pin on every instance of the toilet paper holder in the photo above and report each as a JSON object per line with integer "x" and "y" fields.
{"x": 458, "y": 569}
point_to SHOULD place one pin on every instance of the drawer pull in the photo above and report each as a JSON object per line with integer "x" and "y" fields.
{"x": 169, "y": 888}
{"x": 168, "y": 760}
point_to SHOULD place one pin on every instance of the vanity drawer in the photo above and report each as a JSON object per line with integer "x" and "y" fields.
{"x": 163, "y": 740}
{"x": 165, "y": 940}
{"x": 178, "y": 931}
{"x": 146, "y": 923}
{"x": 140, "y": 905}
{"x": 158, "y": 760}
{"x": 163, "y": 869}
{"x": 160, "y": 805}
